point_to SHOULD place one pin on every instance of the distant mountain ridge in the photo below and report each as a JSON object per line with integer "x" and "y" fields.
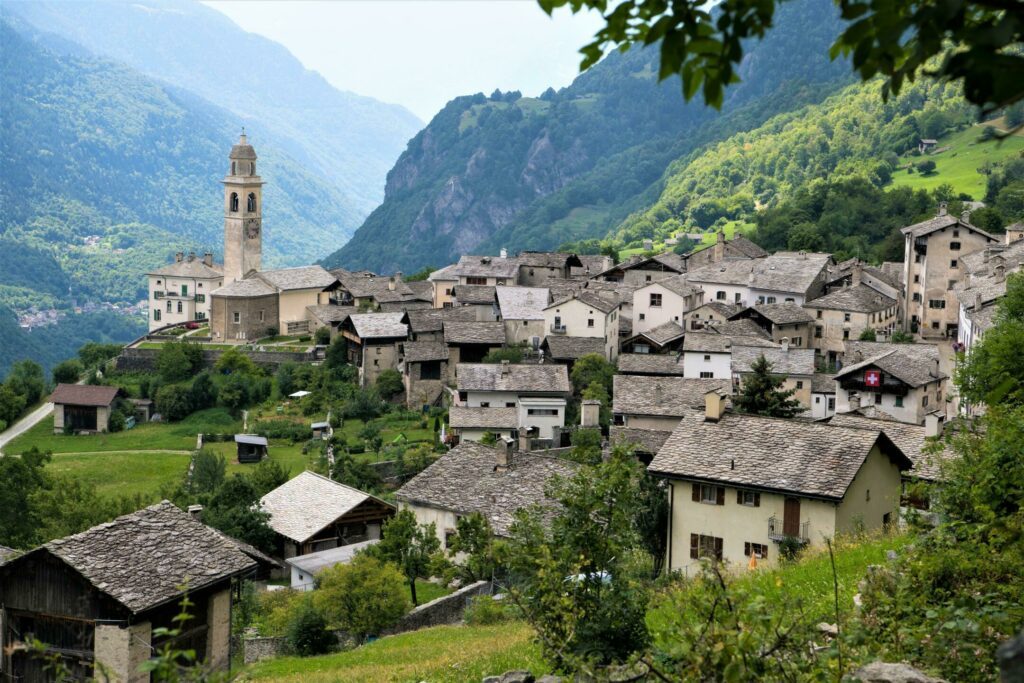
{"x": 535, "y": 172}
{"x": 349, "y": 139}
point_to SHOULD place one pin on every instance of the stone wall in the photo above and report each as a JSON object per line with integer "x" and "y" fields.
{"x": 145, "y": 359}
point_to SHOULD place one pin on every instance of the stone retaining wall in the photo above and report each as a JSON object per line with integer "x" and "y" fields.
{"x": 145, "y": 359}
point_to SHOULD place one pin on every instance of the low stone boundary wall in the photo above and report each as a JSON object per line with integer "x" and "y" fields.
{"x": 447, "y": 609}
{"x": 145, "y": 359}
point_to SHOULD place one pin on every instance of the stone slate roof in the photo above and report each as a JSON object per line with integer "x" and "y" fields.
{"x": 311, "y": 563}
{"x": 790, "y": 362}
{"x": 328, "y": 313}
{"x": 650, "y": 364}
{"x": 141, "y": 559}
{"x": 548, "y": 379}
{"x": 712, "y": 342}
{"x": 492, "y": 333}
{"x": 303, "y": 277}
{"x": 664, "y": 333}
{"x": 910, "y": 438}
{"x": 433, "y": 320}
{"x": 379, "y": 325}
{"x": 403, "y": 305}
{"x": 421, "y": 289}
{"x": 586, "y": 298}
{"x": 785, "y": 313}
{"x": 792, "y": 456}
{"x": 308, "y": 503}
{"x": 573, "y": 348}
{"x": 676, "y": 284}
{"x": 859, "y": 299}
{"x": 246, "y": 287}
{"x": 644, "y": 440}
{"x": 487, "y": 266}
{"x": 720, "y": 307}
{"x": 845, "y": 269}
{"x": 662, "y": 396}
{"x": 474, "y": 294}
{"x": 522, "y": 303}
{"x": 548, "y": 259}
{"x": 190, "y": 267}
{"x": 894, "y": 271}
{"x": 446, "y": 274}
{"x": 743, "y": 327}
{"x": 83, "y": 395}
{"x": 939, "y": 223}
{"x": 483, "y": 418}
{"x": 822, "y": 383}
{"x": 592, "y": 263}
{"x": 780, "y": 272}
{"x": 908, "y": 366}
{"x": 464, "y": 480}
{"x": 420, "y": 351}
{"x": 243, "y": 150}
{"x": 364, "y": 284}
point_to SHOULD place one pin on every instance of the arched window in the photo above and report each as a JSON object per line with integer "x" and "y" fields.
{"x": 252, "y": 168}
{"x": 250, "y": 204}
{"x": 234, "y": 202}
{"x": 232, "y": 168}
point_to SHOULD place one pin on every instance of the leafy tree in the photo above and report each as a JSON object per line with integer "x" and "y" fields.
{"x": 572, "y": 580}
{"x": 322, "y": 336}
{"x": 589, "y": 369}
{"x": 336, "y": 355}
{"x": 208, "y": 470}
{"x": 926, "y": 167}
{"x": 513, "y": 354}
{"x": 421, "y": 275}
{"x": 267, "y": 476}
{"x": 174, "y": 402}
{"x": 992, "y": 371}
{"x": 389, "y": 384}
{"x": 413, "y": 548}
{"x": 355, "y": 473}
{"x": 67, "y": 371}
{"x": 307, "y": 631}
{"x": 364, "y": 404}
{"x": 586, "y": 446}
{"x": 1014, "y": 115}
{"x": 472, "y": 548}
{"x": 203, "y": 391}
{"x": 234, "y": 361}
{"x": 901, "y": 337}
{"x": 93, "y": 354}
{"x": 233, "y": 509}
{"x": 11, "y": 404}
{"x": 969, "y": 41}
{"x": 867, "y": 334}
{"x": 234, "y": 392}
{"x": 363, "y": 597}
{"x": 596, "y": 391}
{"x": 26, "y": 379}
{"x": 179, "y": 360}
{"x": 21, "y": 478}
{"x": 762, "y": 393}
{"x": 371, "y": 436}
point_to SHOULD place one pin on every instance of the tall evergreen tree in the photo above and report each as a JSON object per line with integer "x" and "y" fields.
{"x": 762, "y": 393}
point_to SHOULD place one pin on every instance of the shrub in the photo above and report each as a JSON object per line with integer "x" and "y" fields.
{"x": 274, "y": 611}
{"x": 68, "y": 371}
{"x": 485, "y": 611}
{"x": 364, "y": 597}
{"x": 174, "y": 402}
{"x": 322, "y": 336}
{"x": 513, "y": 354}
{"x": 307, "y": 631}
{"x": 208, "y": 471}
{"x": 179, "y": 360}
{"x": 282, "y": 429}
{"x": 389, "y": 384}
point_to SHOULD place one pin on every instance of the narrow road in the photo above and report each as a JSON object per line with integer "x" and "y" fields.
{"x": 24, "y": 424}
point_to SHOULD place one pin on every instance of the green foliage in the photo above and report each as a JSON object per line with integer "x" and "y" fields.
{"x": 512, "y": 354}
{"x": 762, "y": 393}
{"x": 925, "y": 167}
{"x": 600, "y": 618}
{"x": 12, "y": 404}
{"x": 363, "y": 597}
{"x": 307, "y": 631}
{"x": 322, "y": 336}
{"x": 233, "y": 508}
{"x": 336, "y": 355}
{"x": 474, "y": 542}
{"x": 27, "y": 380}
{"x": 389, "y": 384}
{"x": 484, "y": 610}
{"x": 596, "y": 391}
{"x": 267, "y": 476}
{"x": 67, "y": 371}
{"x": 179, "y": 360}
{"x": 93, "y": 354}
{"x": 234, "y": 391}
{"x": 174, "y": 402}
{"x": 233, "y": 361}
{"x": 867, "y": 334}
{"x": 413, "y": 548}
{"x": 586, "y": 446}
{"x": 992, "y": 371}
{"x": 370, "y": 434}
{"x": 21, "y": 477}
{"x": 208, "y": 471}
{"x": 295, "y": 432}
{"x": 901, "y": 337}
{"x": 592, "y": 368}
{"x": 355, "y": 473}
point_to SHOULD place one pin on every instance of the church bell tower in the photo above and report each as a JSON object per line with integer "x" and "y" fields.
{"x": 243, "y": 211}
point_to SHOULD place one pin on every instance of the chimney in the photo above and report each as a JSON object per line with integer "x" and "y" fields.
{"x": 525, "y": 442}
{"x": 503, "y": 454}
{"x": 978, "y": 302}
{"x": 965, "y": 216}
{"x": 986, "y": 254}
{"x": 208, "y": 258}
{"x": 719, "y": 249}
{"x": 504, "y": 368}
{"x": 590, "y": 414}
{"x": 179, "y": 257}
{"x": 1000, "y": 273}
{"x": 858, "y": 273}
{"x": 854, "y": 400}
{"x": 196, "y": 512}
{"x": 933, "y": 425}
{"x": 935, "y": 368}
{"x": 391, "y": 283}
{"x": 398, "y": 276}
{"x": 785, "y": 344}
{"x": 714, "y": 406}
{"x": 942, "y": 208}
{"x": 503, "y": 253}
{"x": 191, "y": 256}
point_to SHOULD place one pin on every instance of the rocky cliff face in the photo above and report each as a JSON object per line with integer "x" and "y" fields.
{"x": 515, "y": 171}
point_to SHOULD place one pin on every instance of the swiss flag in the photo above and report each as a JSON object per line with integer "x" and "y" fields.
{"x": 873, "y": 378}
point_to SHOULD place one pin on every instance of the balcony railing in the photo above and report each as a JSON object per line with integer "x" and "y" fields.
{"x": 558, "y": 329}
{"x": 776, "y": 531}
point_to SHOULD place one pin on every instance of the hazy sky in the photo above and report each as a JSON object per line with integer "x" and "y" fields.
{"x": 422, "y": 53}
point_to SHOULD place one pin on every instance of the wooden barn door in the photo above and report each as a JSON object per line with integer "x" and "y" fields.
{"x": 791, "y": 517}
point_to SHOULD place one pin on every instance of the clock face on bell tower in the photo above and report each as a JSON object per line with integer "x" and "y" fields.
{"x": 252, "y": 228}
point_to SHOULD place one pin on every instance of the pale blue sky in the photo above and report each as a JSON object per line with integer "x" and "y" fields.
{"x": 422, "y": 53}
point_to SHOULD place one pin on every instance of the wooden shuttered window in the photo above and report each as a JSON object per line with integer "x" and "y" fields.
{"x": 748, "y": 498}
{"x": 694, "y": 549}
{"x": 705, "y": 546}
{"x": 720, "y": 496}
{"x": 696, "y": 499}
{"x": 706, "y": 493}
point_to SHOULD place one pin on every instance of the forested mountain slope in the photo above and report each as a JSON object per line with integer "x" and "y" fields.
{"x": 348, "y": 139}
{"x": 534, "y": 172}
{"x": 107, "y": 173}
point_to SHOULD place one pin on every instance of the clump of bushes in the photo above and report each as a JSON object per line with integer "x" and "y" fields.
{"x": 283, "y": 429}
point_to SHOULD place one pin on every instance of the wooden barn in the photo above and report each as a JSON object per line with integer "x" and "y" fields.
{"x": 96, "y": 598}
{"x": 251, "y": 448}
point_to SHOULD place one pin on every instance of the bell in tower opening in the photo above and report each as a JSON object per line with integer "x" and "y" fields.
{"x": 243, "y": 213}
